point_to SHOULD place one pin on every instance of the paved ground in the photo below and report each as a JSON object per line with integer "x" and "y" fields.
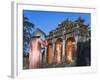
{"x": 57, "y": 65}
{"x": 45, "y": 65}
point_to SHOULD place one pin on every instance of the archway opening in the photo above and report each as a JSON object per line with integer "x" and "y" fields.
{"x": 58, "y": 51}
{"x": 70, "y": 50}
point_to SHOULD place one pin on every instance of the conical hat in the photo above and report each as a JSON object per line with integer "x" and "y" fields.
{"x": 38, "y": 32}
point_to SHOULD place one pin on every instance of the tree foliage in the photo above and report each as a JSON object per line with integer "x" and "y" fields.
{"x": 28, "y": 27}
{"x": 28, "y": 33}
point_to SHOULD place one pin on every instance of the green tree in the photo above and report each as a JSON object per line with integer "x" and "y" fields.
{"x": 84, "y": 27}
{"x": 80, "y": 21}
{"x": 28, "y": 31}
{"x": 28, "y": 28}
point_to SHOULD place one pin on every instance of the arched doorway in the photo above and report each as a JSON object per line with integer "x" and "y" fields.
{"x": 58, "y": 51}
{"x": 49, "y": 53}
{"x": 70, "y": 46}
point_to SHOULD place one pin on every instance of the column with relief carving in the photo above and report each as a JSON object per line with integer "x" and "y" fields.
{"x": 45, "y": 55}
{"x": 63, "y": 50}
{"x": 76, "y": 41}
{"x": 53, "y": 51}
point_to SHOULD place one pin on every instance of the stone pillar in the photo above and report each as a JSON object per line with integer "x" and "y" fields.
{"x": 53, "y": 51}
{"x": 76, "y": 41}
{"x": 63, "y": 51}
{"x": 45, "y": 55}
